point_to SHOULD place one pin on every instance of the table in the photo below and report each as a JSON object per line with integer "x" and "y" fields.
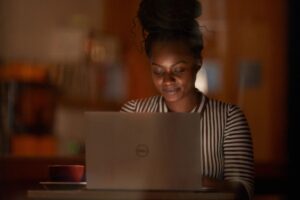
{"x": 127, "y": 195}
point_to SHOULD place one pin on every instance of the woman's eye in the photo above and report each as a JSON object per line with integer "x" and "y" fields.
{"x": 158, "y": 71}
{"x": 178, "y": 70}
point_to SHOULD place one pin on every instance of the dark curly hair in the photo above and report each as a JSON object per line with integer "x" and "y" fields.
{"x": 171, "y": 20}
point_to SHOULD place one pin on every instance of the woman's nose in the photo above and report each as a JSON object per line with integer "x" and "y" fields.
{"x": 168, "y": 78}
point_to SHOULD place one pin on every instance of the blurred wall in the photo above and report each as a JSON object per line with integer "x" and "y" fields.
{"x": 258, "y": 32}
{"x": 122, "y": 22}
{"x": 28, "y": 26}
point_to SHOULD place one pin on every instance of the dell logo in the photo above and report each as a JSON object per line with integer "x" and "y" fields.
{"x": 142, "y": 150}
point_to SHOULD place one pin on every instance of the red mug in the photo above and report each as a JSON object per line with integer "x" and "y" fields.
{"x": 66, "y": 173}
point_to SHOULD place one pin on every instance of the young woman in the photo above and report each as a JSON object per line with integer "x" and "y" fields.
{"x": 173, "y": 44}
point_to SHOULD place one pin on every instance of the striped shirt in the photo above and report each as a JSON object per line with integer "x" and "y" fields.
{"x": 227, "y": 150}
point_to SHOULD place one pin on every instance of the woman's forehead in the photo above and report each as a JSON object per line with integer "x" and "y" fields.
{"x": 165, "y": 48}
{"x": 170, "y": 54}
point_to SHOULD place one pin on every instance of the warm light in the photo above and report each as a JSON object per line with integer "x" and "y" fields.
{"x": 201, "y": 80}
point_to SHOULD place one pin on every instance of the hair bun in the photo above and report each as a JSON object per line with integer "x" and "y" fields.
{"x": 169, "y": 15}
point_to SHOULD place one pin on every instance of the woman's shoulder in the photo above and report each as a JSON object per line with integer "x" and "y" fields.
{"x": 221, "y": 105}
{"x": 231, "y": 114}
{"x": 141, "y": 104}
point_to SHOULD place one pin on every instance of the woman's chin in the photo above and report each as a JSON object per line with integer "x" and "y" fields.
{"x": 171, "y": 97}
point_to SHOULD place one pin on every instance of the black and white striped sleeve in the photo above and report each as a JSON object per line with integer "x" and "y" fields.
{"x": 238, "y": 150}
{"x": 141, "y": 105}
{"x": 129, "y": 106}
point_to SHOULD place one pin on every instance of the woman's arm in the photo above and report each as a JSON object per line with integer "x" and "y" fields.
{"x": 238, "y": 153}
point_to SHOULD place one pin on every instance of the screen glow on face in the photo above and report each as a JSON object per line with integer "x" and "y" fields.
{"x": 173, "y": 70}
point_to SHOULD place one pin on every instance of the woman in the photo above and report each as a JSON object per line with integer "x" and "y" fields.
{"x": 173, "y": 43}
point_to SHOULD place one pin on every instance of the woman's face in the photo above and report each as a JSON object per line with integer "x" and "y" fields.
{"x": 174, "y": 70}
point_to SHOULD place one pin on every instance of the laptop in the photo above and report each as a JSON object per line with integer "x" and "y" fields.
{"x": 143, "y": 151}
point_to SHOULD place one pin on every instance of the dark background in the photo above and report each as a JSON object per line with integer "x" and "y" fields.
{"x": 293, "y": 95}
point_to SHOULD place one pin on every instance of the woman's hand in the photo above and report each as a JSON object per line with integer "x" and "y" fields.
{"x": 223, "y": 185}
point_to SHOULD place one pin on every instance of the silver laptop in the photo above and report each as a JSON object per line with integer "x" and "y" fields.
{"x": 143, "y": 151}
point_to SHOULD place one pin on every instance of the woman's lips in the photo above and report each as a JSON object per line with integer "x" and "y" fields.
{"x": 170, "y": 91}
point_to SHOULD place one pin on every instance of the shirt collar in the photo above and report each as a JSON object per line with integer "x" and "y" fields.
{"x": 162, "y": 106}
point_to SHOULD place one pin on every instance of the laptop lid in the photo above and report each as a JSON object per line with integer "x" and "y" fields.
{"x": 143, "y": 151}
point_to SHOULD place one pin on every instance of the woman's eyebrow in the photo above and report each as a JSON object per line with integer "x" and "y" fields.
{"x": 179, "y": 62}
